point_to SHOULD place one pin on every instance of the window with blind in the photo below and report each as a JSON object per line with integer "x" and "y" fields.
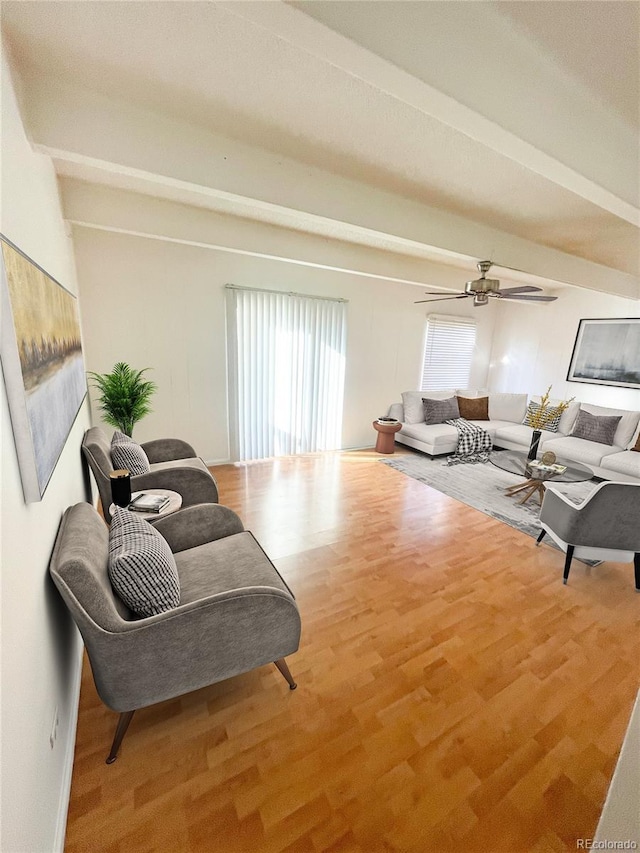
{"x": 287, "y": 364}
{"x": 448, "y": 352}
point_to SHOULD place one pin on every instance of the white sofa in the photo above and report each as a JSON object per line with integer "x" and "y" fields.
{"x": 507, "y": 430}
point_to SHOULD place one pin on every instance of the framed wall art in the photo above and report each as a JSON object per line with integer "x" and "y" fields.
{"x": 607, "y": 352}
{"x": 42, "y": 363}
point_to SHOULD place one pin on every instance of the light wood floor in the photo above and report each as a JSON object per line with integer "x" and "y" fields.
{"x": 453, "y": 694}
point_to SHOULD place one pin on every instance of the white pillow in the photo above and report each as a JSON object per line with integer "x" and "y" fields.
{"x": 507, "y": 407}
{"x": 412, "y": 402}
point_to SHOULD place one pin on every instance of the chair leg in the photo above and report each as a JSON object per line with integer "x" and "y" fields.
{"x": 636, "y": 569}
{"x": 541, "y": 537}
{"x": 121, "y": 730}
{"x": 284, "y": 669}
{"x": 567, "y": 563}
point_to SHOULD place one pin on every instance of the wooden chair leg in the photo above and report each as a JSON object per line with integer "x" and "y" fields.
{"x": 284, "y": 669}
{"x": 541, "y": 537}
{"x": 121, "y": 730}
{"x": 567, "y": 563}
{"x": 636, "y": 569}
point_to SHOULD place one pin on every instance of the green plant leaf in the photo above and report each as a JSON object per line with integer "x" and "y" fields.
{"x": 124, "y": 395}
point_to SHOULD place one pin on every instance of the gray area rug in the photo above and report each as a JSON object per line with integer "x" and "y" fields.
{"x": 482, "y": 486}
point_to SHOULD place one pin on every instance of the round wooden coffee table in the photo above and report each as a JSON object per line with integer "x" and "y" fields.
{"x": 385, "y": 442}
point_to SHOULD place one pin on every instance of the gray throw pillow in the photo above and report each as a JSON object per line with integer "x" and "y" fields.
{"x": 126, "y": 453}
{"x": 596, "y": 428}
{"x": 142, "y": 569}
{"x": 439, "y": 411}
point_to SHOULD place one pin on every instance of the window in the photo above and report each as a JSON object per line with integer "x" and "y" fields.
{"x": 287, "y": 363}
{"x": 448, "y": 352}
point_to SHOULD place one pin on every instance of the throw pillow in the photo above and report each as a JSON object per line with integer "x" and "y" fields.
{"x": 593, "y": 428}
{"x": 552, "y": 416}
{"x": 439, "y": 411}
{"x": 126, "y": 453}
{"x": 474, "y": 408}
{"x": 636, "y": 446}
{"x": 142, "y": 569}
{"x": 414, "y": 407}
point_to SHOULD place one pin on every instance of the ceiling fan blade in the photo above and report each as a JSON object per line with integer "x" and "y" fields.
{"x": 525, "y": 288}
{"x": 443, "y": 299}
{"x": 440, "y": 293}
{"x": 524, "y": 298}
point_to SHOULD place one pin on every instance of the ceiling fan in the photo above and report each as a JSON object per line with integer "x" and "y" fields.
{"x": 482, "y": 288}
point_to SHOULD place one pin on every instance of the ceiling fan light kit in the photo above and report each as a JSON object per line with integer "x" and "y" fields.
{"x": 482, "y": 288}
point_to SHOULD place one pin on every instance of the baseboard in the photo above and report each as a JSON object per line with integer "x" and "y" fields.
{"x": 211, "y": 462}
{"x": 620, "y": 819}
{"x": 65, "y": 787}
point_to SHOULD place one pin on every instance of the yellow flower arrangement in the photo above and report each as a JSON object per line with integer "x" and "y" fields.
{"x": 539, "y": 417}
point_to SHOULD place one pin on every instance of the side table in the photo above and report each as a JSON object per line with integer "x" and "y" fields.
{"x": 385, "y": 442}
{"x": 175, "y": 502}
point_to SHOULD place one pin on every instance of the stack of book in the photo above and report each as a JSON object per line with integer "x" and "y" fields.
{"x": 547, "y": 469}
{"x": 144, "y": 502}
{"x": 388, "y": 421}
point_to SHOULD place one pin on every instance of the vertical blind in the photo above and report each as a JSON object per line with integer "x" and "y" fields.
{"x": 448, "y": 352}
{"x": 287, "y": 360}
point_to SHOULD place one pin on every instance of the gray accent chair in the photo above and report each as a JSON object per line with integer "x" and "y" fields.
{"x": 604, "y": 526}
{"x": 173, "y": 465}
{"x": 235, "y": 614}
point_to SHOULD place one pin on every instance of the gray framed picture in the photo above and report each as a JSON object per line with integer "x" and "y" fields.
{"x": 42, "y": 364}
{"x": 607, "y": 352}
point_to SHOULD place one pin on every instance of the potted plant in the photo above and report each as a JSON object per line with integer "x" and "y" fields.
{"x": 124, "y": 396}
{"x": 541, "y": 416}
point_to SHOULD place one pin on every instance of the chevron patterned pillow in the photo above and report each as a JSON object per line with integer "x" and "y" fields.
{"x": 126, "y": 453}
{"x": 552, "y": 416}
{"x": 142, "y": 569}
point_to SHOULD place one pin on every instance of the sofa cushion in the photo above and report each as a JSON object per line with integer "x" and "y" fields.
{"x": 520, "y": 434}
{"x": 412, "y": 402}
{"x": 625, "y": 462}
{"x": 126, "y": 453}
{"x": 435, "y": 435}
{"x": 474, "y": 408}
{"x": 579, "y": 449}
{"x": 472, "y": 392}
{"x": 601, "y": 429}
{"x": 439, "y": 411}
{"x": 142, "y": 569}
{"x": 568, "y": 417}
{"x": 626, "y": 427}
{"x": 507, "y": 407}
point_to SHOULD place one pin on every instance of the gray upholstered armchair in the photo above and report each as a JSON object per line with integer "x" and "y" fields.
{"x": 173, "y": 465}
{"x": 235, "y": 613}
{"x": 605, "y": 526}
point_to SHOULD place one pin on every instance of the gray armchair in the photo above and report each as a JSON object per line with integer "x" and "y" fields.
{"x": 235, "y": 614}
{"x": 173, "y": 465}
{"x": 604, "y": 526}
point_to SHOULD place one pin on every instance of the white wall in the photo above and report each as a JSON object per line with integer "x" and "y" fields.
{"x": 532, "y": 347}
{"x": 41, "y": 649}
{"x": 160, "y": 304}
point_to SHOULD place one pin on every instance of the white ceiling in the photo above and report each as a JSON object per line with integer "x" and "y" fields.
{"x": 521, "y": 116}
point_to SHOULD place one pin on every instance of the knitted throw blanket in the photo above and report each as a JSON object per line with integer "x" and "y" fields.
{"x": 474, "y": 443}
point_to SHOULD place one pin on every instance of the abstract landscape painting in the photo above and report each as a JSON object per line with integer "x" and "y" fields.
{"x": 42, "y": 363}
{"x": 607, "y": 352}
